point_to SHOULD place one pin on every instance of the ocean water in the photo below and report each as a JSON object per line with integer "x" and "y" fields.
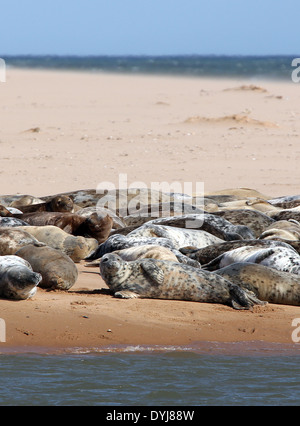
{"x": 267, "y": 67}
{"x": 150, "y": 378}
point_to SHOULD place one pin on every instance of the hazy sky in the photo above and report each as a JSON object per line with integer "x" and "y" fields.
{"x": 152, "y": 27}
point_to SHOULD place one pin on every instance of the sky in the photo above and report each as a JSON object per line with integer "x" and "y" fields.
{"x": 152, "y": 27}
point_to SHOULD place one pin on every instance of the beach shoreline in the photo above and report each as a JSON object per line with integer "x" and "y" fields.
{"x": 65, "y": 131}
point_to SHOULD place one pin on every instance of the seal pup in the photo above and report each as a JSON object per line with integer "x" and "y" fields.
{"x": 284, "y": 259}
{"x": 58, "y": 271}
{"x": 120, "y": 242}
{"x": 17, "y": 279}
{"x": 158, "y": 279}
{"x": 142, "y": 252}
{"x": 180, "y": 237}
{"x": 266, "y": 283}
{"x": 77, "y": 248}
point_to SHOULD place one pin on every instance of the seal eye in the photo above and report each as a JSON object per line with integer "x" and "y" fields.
{"x": 105, "y": 260}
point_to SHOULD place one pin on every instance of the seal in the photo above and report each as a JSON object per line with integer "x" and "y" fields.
{"x": 266, "y": 283}
{"x": 92, "y": 226}
{"x": 179, "y": 236}
{"x": 207, "y": 254}
{"x": 17, "y": 279}
{"x": 120, "y": 242}
{"x": 12, "y": 239}
{"x": 59, "y": 203}
{"x": 11, "y": 221}
{"x": 210, "y": 223}
{"x": 147, "y": 251}
{"x": 58, "y": 271}
{"x": 158, "y": 279}
{"x": 256, "y": 221}
{"x": 284, "y": 259}
{"x": 77, "y": 248}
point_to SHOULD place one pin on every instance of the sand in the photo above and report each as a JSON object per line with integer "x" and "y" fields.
{"x": 64, "y": 131}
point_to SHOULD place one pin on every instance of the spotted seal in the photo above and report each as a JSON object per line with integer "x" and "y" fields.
{"x": 120, "y": 242}
{"x": 11, "y": 221}
{"x": 209, "y": 253}
{"x": 180, "y": 237}
{"x": 210, "y": 223}
{"x": 266, "y": 283}
{"x": 158, "y": 279}
{"x": 284, "y": 259}
{"x": 17, "y": 279}
{"x": 142, "y": 252}
{"x": 58, "y": 271}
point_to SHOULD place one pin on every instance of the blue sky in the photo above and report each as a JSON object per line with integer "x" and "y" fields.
{"x": 152, "y": 27}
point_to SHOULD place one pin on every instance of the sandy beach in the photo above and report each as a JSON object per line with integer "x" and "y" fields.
{"x": 65, "y": 131}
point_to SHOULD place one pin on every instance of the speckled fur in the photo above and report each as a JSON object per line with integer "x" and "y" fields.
{"x": 157, "y": 279}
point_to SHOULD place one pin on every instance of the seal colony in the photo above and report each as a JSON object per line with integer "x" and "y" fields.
{"x": 241, "y": 249}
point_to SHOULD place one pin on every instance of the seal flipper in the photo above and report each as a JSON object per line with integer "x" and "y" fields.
{"x": 126, "y": 294}
{"x": 266, "y": 253}
{"x": 153, "y": 271}
{"x": 243, "y": 299}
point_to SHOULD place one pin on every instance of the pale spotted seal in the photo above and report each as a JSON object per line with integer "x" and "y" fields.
{"x": 58, "y": 271}
{"x": 17, "y": 279}
{"x": 267, "y": 283}
{"x": 284, "y": 259}
{"x": 209, "y": 253}
{"x": 210, "y": 223}
{"x": 180, "y": 237}
{"x": 11, "y": 221}
{"x": 158, "y": 279}
{"x": 120, "y": 242}
{"x": 147, "y": 251}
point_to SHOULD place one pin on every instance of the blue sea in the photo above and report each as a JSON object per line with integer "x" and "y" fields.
{"x": 233, "y": 374}
{"x": 266, "y": 67}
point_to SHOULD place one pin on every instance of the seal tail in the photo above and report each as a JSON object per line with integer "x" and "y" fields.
{"x": 244, "y": 299}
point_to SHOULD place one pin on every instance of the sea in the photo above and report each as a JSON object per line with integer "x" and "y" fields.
{"x": 265, "y": 67}
{"x": 171, "y": 382}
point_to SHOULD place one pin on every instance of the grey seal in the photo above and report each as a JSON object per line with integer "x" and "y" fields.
{"x": 17, "y": 279}
{"x": 210, "y": 223}
{"x": 266, "y": 283}
{"x": 11, "y": 221}
{"x": 120, "y": 242}
{"x": 12, "y": 239}
{"x": 58, "y": 271}
{"x": 284, "y": 259}
{"x": 77, "y": 248}
{"x": 207, "y": 254}
{"x": 158, "y": 279}
{"x": 180, "y": 237}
